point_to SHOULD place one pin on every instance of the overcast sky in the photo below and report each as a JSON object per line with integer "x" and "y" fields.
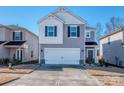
{"x": 28, "y": 16}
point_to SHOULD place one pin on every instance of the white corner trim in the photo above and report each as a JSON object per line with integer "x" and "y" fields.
{"x": 84, "y": 44}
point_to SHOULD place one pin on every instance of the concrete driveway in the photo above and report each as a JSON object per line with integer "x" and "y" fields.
{"x": 56, "y": 76}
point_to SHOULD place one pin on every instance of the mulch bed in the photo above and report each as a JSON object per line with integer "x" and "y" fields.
{"x": 21, "y": 69}
{"x": 6, "y": 79}
{"x": 15, "y": 70}
{"x": 104, "y": 73}
{"x": 113, "y": 82}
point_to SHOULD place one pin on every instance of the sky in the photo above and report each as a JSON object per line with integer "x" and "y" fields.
{"x": 29, "y": 16}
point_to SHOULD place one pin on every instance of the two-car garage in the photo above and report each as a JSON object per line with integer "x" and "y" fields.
{"x": 62, "y": 56}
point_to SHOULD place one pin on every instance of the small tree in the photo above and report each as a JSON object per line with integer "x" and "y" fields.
{"x": 113, "y": 24}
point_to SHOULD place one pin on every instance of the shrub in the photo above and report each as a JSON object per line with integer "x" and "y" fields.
{"x": 31, "y": 62}
{"x": 101, "y": 61}
{"x": 4, "y": 61}
{"x": 16, "y": 62}
{"x": 89, "y": 61}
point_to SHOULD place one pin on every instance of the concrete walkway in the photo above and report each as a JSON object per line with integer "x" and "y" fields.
{"x": 56, "y": 76}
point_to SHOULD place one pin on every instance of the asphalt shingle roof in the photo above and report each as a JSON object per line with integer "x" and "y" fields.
{"x": 90, "y": 43}
{"x": 14, "y": 43}
{"x": 1, "y": 42}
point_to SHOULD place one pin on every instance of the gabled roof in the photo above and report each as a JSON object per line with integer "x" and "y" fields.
{"x": 112, "y": 33}
{"x": 3, "y": 26}
{"x": 51, "y": 14}
{"x": 15, "y": 27}
{"x": 70, "y": 12}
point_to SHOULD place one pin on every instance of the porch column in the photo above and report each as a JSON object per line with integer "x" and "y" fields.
{"x": 95, "y": 54}
{"x": 19, "y": 53}
{"x": 39, "y": 53}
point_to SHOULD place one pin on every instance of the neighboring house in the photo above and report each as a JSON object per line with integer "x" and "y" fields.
{"x": 18, "y": 43}
{"x": 112, "y": 47}
{"x": 64, "y": 38}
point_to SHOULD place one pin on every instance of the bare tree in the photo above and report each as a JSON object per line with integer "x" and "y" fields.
{"x": 99, "y": 30}
{"x": 113, "y": 24}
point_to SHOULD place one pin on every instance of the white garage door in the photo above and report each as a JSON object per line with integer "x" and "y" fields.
{"x": 62, "y": 55}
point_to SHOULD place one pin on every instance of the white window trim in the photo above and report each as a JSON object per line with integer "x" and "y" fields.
{"x": 76, "y": 31}
{"x": 89, "y": 34}
{"x": 51, "y": 31}
{"x": 18, "y": 32}
{"x": 93, "y": 52}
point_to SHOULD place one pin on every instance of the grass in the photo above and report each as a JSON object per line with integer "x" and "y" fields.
{"x": 6, "y": 79}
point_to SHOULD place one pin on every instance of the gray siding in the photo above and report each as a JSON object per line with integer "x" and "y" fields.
{"x": 92, "y": 37}
{"x": 114, "y": 52}
{"x": 68, "y": 42}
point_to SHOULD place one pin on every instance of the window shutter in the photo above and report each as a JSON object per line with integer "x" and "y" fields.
{"x": 78, "y": 31}
{"x": 21, "y": 35}
{"x": 55, "y": 31}
{"x": 13, "y": 35}
{"x": 68, "y": 31}
{"x": 46, "y": 31}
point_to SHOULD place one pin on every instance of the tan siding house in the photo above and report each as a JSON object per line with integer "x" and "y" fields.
{"x": 112, "y": 48}
{"x": 18, "y": 43}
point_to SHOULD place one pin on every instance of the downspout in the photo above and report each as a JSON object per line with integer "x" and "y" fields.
{"x": 123, "y": 38}
{"x": 39, "y": 47}
{"x": 96, "y": 47}
{"x": 84, "y": 44}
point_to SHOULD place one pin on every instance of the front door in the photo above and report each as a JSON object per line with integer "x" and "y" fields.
{"x": 19, "y": 54}
{"x": 90, "y": 54}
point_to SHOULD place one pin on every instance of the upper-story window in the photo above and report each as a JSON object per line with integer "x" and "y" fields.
{"x": 50, "y": 31}
{"x": 73, "y": 31}
{"x": 87, "y": 34}
{"x": 17, "y": 35}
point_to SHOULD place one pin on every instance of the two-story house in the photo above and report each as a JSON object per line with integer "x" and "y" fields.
{"x": 18, "y": 43}
{"x": 64, "y": 38}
